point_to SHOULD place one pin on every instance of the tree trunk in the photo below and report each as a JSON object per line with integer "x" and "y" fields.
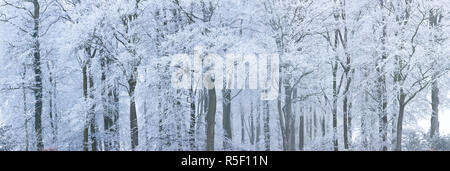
{"x": 25, "y": 108}
{"x": 280, "y": 110}
{"x": 335, "y": 99}
{"x": 50, "y": 105}
{"x": 350, "y": 130}
{"x": 104, "y": 103}
{"x": 258, "y": 124}
{"x": 252, "y": 125}
{"x": 115, "y": 125}
{"x": 323, "y": 126}
{"x": 52, "y": 113}
{"x": 92, "y": 117}
{"x": 226, "y": 104}
{"x": 292, "y": 120}
{"x": 383, "y": 118}
{"x": 267, "y": 126}
{"x": 85, "y": 95}
{"x": 381, "y": 86}
{"x": 310, "y": 126}
{"x": 211, "y": 119}
{"x": 301, "y": 132}
{"x": 401, "y": 113}
{"x": 147, "y": 124}
{"x": 242, "y": 124}
{"x": 289, "y": 121}
{"x": 364, "y": 120}
{"x": 435, "y": 19}
{"x": 434, "y": 129}
{"x": 314, "y": 124}
{"x": 345, "y": 122}
{"x": 346, "y": 106}
{"x": 193, "y": 118}
{"x": 162, "y": 113}
{"x": 37, "y": 89}
{"x": 133, "y": 116}
{"x": 179, "y": 121}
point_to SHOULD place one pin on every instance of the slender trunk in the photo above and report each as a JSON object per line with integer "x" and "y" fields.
{"x": 252, "y": 125}
{"x": 335, "y": 99}
{"x": 364, "y": 132}
{"x": 345, "y": 123}
{"x": 178, "y": 122}
{"x": 301, "y": 132}
{"x": 134, "y": 134}
{"x": 434, "y": 129}
{"x": 192, "y": 120}
{"x": 106, "y": 104}
{"x": 346, "y": 106}
{"x": 292, "y": 120}
{"x": 226, "y": 104}
{"x": 280, "y": 112}
{"x": 242, "y": 124}
{"x": 401, "y": 113}
{"x": 201, "y": 118}
{"x": 147, "y": 124}
{"x": 323, "y": 126}
{"x": 435, "y": 19}
{"x": 310, "y": 126}
{"x": 85, "y": 95}
{"x": 267, "y": 126}
{"x": 51, "y": 108}
{"x": 364, "y": 120}
{"x": 339, "y": 15}
{"x": 258, "y": 124}
{"x": 115, "y": 125}
{"x": 350, "y": 130}
{"x": 289, "y": 121}
{"x": 92, "y": 120}
{"x": 394, "y": 120}
{"x": 381, "y": 85}
{"x": 37, "y": 89}
{"x": 93, "y": 128}
{"x": 210, "y": 120}
{"x": 25, "y": 108}
{"x": 161, "y": 112}
{"x": 314, "y": 124}
{"x": 383, "y": 118}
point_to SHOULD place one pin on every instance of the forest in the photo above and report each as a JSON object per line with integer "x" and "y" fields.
{"x": 191, "y": 75}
